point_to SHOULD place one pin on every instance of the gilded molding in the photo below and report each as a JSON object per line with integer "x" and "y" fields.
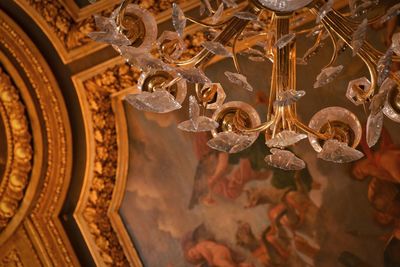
{"x": 12, "y": 259}
{"x": 20, "y": 153}
{"x": 100, "y": 91}
{"x": 44, "y": 202}
{"x": 67, "y": 30}
{"x": 92, "y": 213}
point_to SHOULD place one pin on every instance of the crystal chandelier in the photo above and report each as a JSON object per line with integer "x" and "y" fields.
{"x": 333, "y": 132}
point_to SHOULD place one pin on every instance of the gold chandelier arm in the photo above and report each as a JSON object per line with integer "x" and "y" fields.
{"x": 308, "y": 130}
{"x": 122, "y": 9}
{"x": 335, "y": 22}
{"x": 209, "y": 25}
{"x": 234, "y": 53}
{"x": 335, "y": 48}
{"x": 293, "y": 119}
{"x": 260, "y": 128}
{"x": 234, "y": 26}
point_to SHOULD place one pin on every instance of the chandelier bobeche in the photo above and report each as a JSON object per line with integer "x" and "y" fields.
{"x": 333, "y": 132}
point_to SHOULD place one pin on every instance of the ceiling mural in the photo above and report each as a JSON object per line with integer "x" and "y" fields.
{"x": 87, "y": 180}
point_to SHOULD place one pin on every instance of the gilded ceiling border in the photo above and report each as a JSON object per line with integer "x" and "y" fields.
{"x": 95, "y": 88}
{"x": 20, "y": 156}
{"x": 67, "y": 26}
{"x": 42, "y": 224}
{"x": 100, "y": 89}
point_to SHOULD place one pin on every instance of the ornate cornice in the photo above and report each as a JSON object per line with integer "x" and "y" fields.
{"x": 67, "y": 27}
{"x": 52, "y": 143}
{"x": 92, "y": 212}
{"x": 12, "y": 259}
{"x": 20, "y": 153}
{"x": 101, "y": 90}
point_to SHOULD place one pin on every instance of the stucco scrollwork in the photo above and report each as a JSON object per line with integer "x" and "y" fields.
{"x": 19, "y": 161}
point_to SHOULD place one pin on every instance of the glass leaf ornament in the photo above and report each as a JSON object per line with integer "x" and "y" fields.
{"x": 378, "y": 100}
{"x": 216, "y": 48}
{"x": 396, "y": 43}
{"x": 245, "y": 15}
{"x": 289, "y": 97}
{"x": 193, "y": 75}
{"x": 251, "y": 52}
{"x": 325, "y": 9}
{"x": 358, "y": 37}
{"x": 230, "y": 3}
{"x": 197, "y": 123}
{"x": 383, "y": 66}
{"x": 285, "y": 40}
{"x": 218, "y": 14}
{"x": 339, "y": 152}
{"x": 239, "y": 80}
{"x": 360, "y": 7}
{"x": 285, "y": 138}
{"x": 391, "y": 13}
{"x": 256, "y": 59}
{"x": 140, "y": 58}
{"x": 206, "y": 6}
{"x": 284, "y": 159}
{"x": 230, "y": 142}
{"x": 178, "y": 19}
{"x": 108, "y": 32}
{"x": 327, "y": 75}
{"x": 158, "y": 101}
{"x": 374, "y": 128}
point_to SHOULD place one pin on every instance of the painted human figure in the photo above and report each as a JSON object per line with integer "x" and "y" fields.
{"x": 225, "y": 175}
{"x": 213, "y": 254}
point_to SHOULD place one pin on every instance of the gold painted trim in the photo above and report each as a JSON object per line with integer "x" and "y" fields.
{"x": 70, "y": 18}
{"x": 55, "y": 180}
{"x": 30, "y": 170}
{"x": 82, "y": 211}
{"x": 122, "y": 176}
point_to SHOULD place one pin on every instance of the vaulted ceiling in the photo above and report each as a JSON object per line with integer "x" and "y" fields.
{"x": 62, "y": 174}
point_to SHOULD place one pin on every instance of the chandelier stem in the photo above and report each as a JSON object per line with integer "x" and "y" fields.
{"x": 234, "y": 26}
{"x": 283, "y": 74}
{"x": 335, "y": 22}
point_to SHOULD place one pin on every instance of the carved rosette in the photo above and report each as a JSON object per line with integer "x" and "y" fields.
{"x": 19, "y": 162}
